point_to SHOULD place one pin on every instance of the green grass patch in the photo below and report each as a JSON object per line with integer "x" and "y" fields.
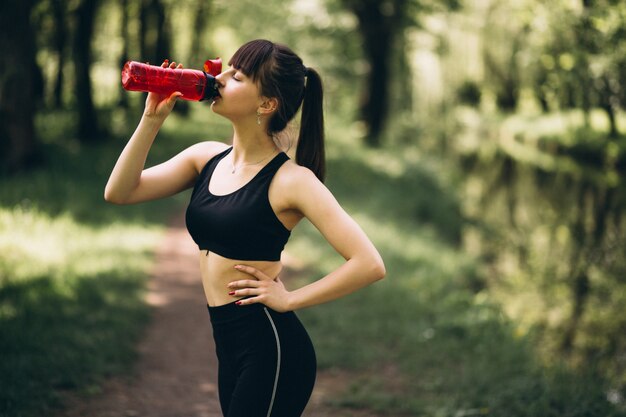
{"x": 71, "y": 305}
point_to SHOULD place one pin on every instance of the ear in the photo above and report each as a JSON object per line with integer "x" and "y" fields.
{"x": 268, "y": 106}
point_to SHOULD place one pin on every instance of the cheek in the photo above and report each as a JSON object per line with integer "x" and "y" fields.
{"x": 244, "y": 98}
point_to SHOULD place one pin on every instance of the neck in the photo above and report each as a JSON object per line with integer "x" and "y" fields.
{"x": 250, "y": 144}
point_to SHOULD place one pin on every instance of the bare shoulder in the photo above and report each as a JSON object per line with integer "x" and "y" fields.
{"x": 299, "y": 186}
{"x": 201, "y": 152}
{"x": 292, "y": 176}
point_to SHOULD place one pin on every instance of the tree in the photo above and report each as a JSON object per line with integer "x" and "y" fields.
{"x": 381, "y": 25}
{"x": 59, "y": 10}
{"x": 18, "y": 143}
{"x": 201, "y": 18}
{"x": 577, "y": 67}
{"x": 155, "y": 39}
{"x": 123, "y": 98}
{"x": 88, "y": 127}
{"x": 154, "y": 34}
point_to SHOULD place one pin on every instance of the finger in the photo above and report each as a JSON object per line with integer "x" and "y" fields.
{"x": 173, "y": 64}
{"x": 172, "y": 98}
{"x": 251, "y": 271}
{"x": 246, "y": 283}
{"x": 247, "y": 301}
{"x": 165, "y": 63}
{"x": 179, "y": 66}
{"x": 245, "y": 292}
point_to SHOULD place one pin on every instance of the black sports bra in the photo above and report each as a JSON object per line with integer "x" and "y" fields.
{"x": 240, "y": 225}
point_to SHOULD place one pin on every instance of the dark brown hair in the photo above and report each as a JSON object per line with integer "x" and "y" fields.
{"x": 281, "y": 74}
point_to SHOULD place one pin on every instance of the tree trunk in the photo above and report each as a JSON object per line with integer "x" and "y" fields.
{"x": 18, "y": 144}
{"x": 155, "y": 40}
{"x": 374, "y": 98}
{"x": 123, "y": 97}
{"x": 88, "y": 128}
{"x": 153, "y": 35}
{"x": 580, "y": 285}
{"x": 59, "y": 9}
{"x": 609, "y": 99}
{"x": 201, "y": 17}
{"x": 379, "y": 26}
{"x": 580, "y": 292}
{"x": 610, "y": 112}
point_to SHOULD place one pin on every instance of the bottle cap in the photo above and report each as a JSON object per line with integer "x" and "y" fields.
{"x": 213, "y": 66}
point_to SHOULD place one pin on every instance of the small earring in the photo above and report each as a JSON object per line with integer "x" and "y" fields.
{"x": 258, "y": 118}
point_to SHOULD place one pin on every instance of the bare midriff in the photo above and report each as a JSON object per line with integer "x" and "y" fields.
{"x": 217, "y": 272}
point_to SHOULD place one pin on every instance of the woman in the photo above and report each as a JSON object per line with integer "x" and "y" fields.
{"x": 246, "y": 200}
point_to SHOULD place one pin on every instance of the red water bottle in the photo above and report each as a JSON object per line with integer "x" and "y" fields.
{"x": 195, "y": 85}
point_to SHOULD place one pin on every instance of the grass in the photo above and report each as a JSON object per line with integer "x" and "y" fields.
{"x": 70, "y": 303}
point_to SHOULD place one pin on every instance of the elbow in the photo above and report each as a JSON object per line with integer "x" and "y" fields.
{"x": 378, "y": 270}
{"x": 110, "y": 197}
{"x": 372, "y": 268}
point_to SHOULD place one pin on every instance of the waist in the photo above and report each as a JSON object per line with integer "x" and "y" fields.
{"x": 217, "y": 272}
{"x": 232, "y": 312}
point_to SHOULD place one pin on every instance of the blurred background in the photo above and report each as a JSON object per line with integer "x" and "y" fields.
{"x": 480, "y": 144}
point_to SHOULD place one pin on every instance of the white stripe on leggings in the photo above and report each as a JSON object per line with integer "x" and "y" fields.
{"x": 269, "y": 412}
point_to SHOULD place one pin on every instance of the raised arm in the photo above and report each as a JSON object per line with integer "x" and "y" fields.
{"x": 130, "y": 183}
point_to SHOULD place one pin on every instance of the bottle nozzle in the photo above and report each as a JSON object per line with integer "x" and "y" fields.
{"x": 213, "y": 66}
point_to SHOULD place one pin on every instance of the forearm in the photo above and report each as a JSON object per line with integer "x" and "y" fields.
{"x": 127, "y": 171}
{"x": 351, "y": 276}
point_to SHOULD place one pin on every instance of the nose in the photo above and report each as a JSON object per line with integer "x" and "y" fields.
{"x": 218, "y": 80}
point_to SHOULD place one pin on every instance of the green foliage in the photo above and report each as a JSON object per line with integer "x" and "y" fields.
{"x": 575, "y": 68}
{"x": 431, "y": 333}
{"x": 547, "y": 204}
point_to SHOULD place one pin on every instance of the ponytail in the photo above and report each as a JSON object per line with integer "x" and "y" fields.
{"x": 310, "y": 150}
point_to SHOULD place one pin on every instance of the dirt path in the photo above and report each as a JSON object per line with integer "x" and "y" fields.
{"x": 176, "y": 373}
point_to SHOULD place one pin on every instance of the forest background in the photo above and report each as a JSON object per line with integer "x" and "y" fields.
{"x": 479, "y": 143}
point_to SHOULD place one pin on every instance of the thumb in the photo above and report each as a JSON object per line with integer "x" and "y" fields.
{"x": 172, "y": 98}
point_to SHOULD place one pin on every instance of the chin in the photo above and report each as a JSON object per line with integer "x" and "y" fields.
{"x": 213, "y": 105}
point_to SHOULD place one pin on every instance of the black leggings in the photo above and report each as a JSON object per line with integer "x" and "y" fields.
{"x": 267, "y": 363}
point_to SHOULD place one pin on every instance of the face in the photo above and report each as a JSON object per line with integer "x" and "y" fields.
{"x": 239, "y": 96}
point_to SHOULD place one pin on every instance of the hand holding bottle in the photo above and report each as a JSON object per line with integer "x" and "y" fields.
{"x": 188, "y": 84}
{"x": 160, "y": 105}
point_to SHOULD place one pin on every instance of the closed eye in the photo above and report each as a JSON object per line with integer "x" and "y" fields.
{"x": 237, "y": 76}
